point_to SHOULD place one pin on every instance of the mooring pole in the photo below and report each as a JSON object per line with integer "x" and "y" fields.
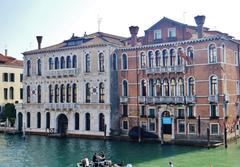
{"x": 105, "y": 129}
{"x": 225, "y": 137}
{"x": 208, "y": 138}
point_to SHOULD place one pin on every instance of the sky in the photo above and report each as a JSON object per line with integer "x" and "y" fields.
{"x": 56, "y": 20}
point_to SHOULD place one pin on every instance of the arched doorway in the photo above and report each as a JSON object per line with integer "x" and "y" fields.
{"x": 62, "y": 124}
{"x": 101, "y": 122}
{"x": 166, "y": 123}
{"x": 20, "y": 121}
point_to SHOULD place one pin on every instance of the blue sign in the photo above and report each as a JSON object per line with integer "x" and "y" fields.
{"x": 167, "y": 120}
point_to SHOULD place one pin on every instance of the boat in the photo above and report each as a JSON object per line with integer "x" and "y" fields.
{"x": 105, "y": 163}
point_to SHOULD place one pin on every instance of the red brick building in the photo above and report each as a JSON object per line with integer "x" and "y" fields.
{"x": 178, "y": 80}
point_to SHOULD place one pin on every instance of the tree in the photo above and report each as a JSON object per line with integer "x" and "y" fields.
{"x": 10, "y": 113}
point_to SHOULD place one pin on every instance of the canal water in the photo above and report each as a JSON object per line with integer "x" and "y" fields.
{"x": 41, "y": 151}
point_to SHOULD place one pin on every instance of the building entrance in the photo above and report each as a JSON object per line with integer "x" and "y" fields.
{"x": 166, "y": 123}
{"x": 20, "y": 121}
{"x": 62, "y": 124}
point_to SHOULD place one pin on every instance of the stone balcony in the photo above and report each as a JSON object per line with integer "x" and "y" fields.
{"x": 60, "y": 106}
{"x": 61, "y": 73}
{"x": 213, "y": 98}
{"x": 165, "y": 100}
{"x": 124, "y": 99}
{"x": 141, "y": 99}
{"x": 190, "y": 99}
{"x": 168, "y": 69}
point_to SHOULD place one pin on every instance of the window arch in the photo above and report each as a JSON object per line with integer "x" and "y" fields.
{"x": 212, "y": 53}
{"x": 173, "y": 87}
{"x": 151, "y": 87}
{"x": 166, "y": 87}
{"x": 74, "y": 61}
{"x": 74, "y": 93}
{"x": 101, "y": 122}
{"x": 143, "y": 60}
{"x": 38, "y": 120}
{"x": 150, "y": 59}
{"x": 124, "y": 62}
{"x": 158, "y": 87}
{"x": 101, "y": 62}
{"x": 56, "y": 92}
{"x": 28, "y": 119}
{"x": 157, "y": 58}
{"x": 88, "y": 94}
{"x": 39, "y": 94}
{"x": 50, "y": 92}
{"x": 11, "y": 92}
{"x": 50, "y": 63}
{"x": 213, "y": 85}
{"x": 47, "y": 120}
{"x": 143, "y": 88}
{"x": 124, "y": 88}
{"x": 56, "y": 61}
{"x": 172, "y": 57}
{"x": 190, "y": 53}
{"x": 76, "y": 116}
{"x": 69, "y": 92}
{"x": 28, "y": 67}
{"x": 62, "y": 62}
{"x": 179, "y": 58}
{"x": 62, "y": 93}
{"x": 39, "y": 67}
{"x": 101, "y": 93}
{"x": 87, "y": 122}
{"x": 28, "y": 94}
{"x": 87, "y": 62}
{"x": 165, "y": 58}
{"x": 69, "y": 63}
{"x": 114, "y": 61}
{"x": 191, "y": 87}
{"x": 180, "y": 87}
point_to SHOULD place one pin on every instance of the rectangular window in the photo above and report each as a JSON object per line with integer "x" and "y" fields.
{"x": 157, "y": 34}
{"x": 151, "y": 113}
{"x": 21, "y": 93}
{"x": 152, "y": 125}
{"x": 5, "y": 77}
{"x": 12, "y": 77}
{"x": 192, "y": 128}
{"x": 180, "y": 113}
{"x": 191, "y": 111}
{"x": 125, "y": 125}
{"x": 21, "y": 77}
{"x": 213, "y": 110}
{"x": 214, "y": 129}
{"x": 172, "y": 32}
{"x": 143, "y": 111}
{"x": 236, "y": 58}
{"x": 5, "y": 93}
{"x": 181, "y": 126}
{"x": 125, "y": 110}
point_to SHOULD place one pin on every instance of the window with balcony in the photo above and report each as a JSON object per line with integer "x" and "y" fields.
{"x": 87, "y": 122}
{"x": 213, "y": 85}
{"x": 159, "y": 87}
{"x": 62, "y": 60}
{"x": 150, "y": 59}
{"x": 143, "y": 60}
{"x": 190, "y": 53}
{"x": 56, "y": 63}
{"x": 69, "y": 93}
{"x": 214, "y": 128}
{"x": 5, "y": 93}
{"x": 124, "y": 62}
{"x": 125, "y": 125}
{"x": 181, "y": 113}
{"x": 158, "y": 58}
{"x": 28, "y": 94}
{"x": 12, "y": 77}
{"x": 39, "y": 67}
{"x": 171, "y": 32}
{"x": 39, "y": 94}
{"x": 157, "y": 34}
{"x": 101, "y": 93}
{"x": 28, "y": 67}
{"x": 213, "y": 111}
{"x": 74, "y": 93}
{"x": 143, "y": 88}
{"x": 87, "y": 63}
{"x": 50, "y": 63}
{"x": 151, "y": 87}
{"x": 172, "y": 57}
{"x": 124, "y": 88}
{"x": 74, "y": 61}
{"x": 179, "y": 58}
{"x": 28, "y": 119}
{"x": 101, "y": 62}
{"x": 62, "y": 93}
{"x": 192, "y": 128}
{"x": 101, "y": 122}
{"x": 69, "y": 62}
{"x": 191, "y": 87}
{"x": 115, "y": 62}
{"x": 50, "y": 92}
{"x": 165, "y": 57}
{"x": 56, "y": 92}
{"x": 181, "y": 126}
{"x": 76, "y": 121}
{"x": 212, "y": 53}
{"x": 47, "y": 120}
{"x": 125, "y": 110}
{"x": 11, "y": 93}
{"x": 166, "y": 87}
{"x": 180, "y": 87}
{"x": 38, "y": 120}
{"x": 5, "y": 77}
{"x": 173, "y": 87}
{"x": 88, "y": 94}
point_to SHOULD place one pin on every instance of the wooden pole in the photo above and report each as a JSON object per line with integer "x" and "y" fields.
{"x": 208, "y": 138}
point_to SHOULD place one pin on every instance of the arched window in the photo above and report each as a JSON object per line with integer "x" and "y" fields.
{"x": 158, "y": 87}
{"x": 101, "y": 122}
{"x": 143, "y": 88}
{"x": 190, "y": 53}
{"x": 62, "y": 93}
{"x": 50, "y": 92}
{"x": 114, "y": 61}
{"x": 223, "y": 53}
{"x": 172, "y": 57}
{"x": 125, "y": 88}
{"x": 213, "y": 85}
{"x": 101, "y": 62}
{"x": 143, "y": 60}
{"x": 28, "y": 94}
{"x": 151, "y": 87}
{"x": 50, "y": 63}
{"x": 191, "y": 86}
{"x": 212, "y": 53}
{"x": 87, "y": 62}
{"x": 62, "y": 62}
{"x": 56, "y": 91}
{"x": 74, "y": 93}
{"x": 88, "y": 94}
{"x": 38, "y": 120}
{"x": 180, "y": 87}
{"x": 173, "y": 87}
{"x": 28, "y": 119}
{"x": 150, "y": 59}
{"x": 28, "y": 67}
{"x": 166, "y": 87}
{"x": 47, "y": 120}
{"x": 179, "y": 58}
{"x": 56, "y": 61}
{"x": 165, "y": 58}
{"x": 124, "y": 62}
{"x": 11, "y": 91}
{"x": 101, "y": 93}
{"x": 74, "y": 61}
{"x": 87, "y": 121}
{"x": 69, "y": 93}
{"x": 39, "y": 94}
{"x": 39, "y": 67}
{"x": 69, "y": 63}
{"x": 76, "y": 121}
{"x": 158, "y": 58}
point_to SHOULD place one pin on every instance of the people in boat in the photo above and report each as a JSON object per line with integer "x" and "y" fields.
{"x": 85, "y": 162}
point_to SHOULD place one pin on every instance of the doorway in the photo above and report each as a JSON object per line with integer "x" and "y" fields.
{"x": 62, "y": 124}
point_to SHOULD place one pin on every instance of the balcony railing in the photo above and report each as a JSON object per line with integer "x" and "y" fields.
{"x": 165, "y": 100}
{"x": 124, "y": 99}
{"x": 190, "y": 99}
{"x": 62, "y": 73}
{"x": 168, "y": 69}
{"x": 60, "y": 106}
{"x": 213, "y": 98}
{"x": 141, "y": 99}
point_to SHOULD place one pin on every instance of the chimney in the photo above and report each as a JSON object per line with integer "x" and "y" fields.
{"x": 200, "y": 19}
{"x": 39, "y": 41}
{"x": 6, "y": 52}
{"x": 133, "y": 31}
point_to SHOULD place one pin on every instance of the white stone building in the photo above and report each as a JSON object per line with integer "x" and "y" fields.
{"x": 71, "y": 88}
